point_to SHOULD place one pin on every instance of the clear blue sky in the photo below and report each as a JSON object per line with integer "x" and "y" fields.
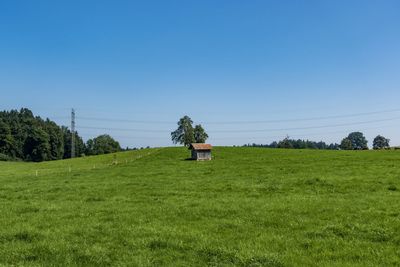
{"x": 216, "y": 61}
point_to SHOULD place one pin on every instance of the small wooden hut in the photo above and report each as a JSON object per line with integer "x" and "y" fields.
{"x": 201, "y": 151}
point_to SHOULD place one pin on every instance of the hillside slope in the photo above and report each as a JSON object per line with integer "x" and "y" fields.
{"x": 246, "y": 207}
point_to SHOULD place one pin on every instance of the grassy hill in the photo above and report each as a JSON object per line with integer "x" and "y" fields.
{"x": 247, "y": 207}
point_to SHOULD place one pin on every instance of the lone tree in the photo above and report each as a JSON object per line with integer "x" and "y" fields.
{"x": 346, "y": 144}
{"x": 358, "y": 141}
{"x": 200, "y": 135}
{"x": 185, "y": 132}
{"x": 380, "y": 142}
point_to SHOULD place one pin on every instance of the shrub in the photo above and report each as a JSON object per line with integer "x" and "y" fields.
{"x": 4, "y": 157}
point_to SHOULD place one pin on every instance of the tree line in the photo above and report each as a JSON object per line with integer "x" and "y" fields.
{"x": 24, "y": 136}
{"x": 357, "y": 141}
{"x": 354, "y": 141}
{"x": 186, "y": 134}
{"x": 297, "y": 144}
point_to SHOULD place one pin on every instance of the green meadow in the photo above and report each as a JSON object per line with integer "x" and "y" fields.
{"x": 246, "y": 207}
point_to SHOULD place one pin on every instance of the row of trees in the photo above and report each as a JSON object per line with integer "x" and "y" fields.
{"x": 354, "y": 141}
{"x": 297, "y": 144}
{"x": 357, "y": 141}
{"x": 27, "y": 137}
{"x": 187, "y": 134}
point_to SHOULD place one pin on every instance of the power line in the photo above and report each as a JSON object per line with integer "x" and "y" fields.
{"x": 59, "y": 117}
{"x": 308, "y": 119}
{"x": 306, "y": 128}
{"x": 250, "y": 131}
{"x": 303, "y": 134}
{"x": 123, "y": 129}
{"x": 256, "y": 137}
{"x": 246, "y": 137}
{"x": 246, "y": 122}
{"x": 125, "y": 120}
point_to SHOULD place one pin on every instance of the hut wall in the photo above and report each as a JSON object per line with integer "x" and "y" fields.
{"x": 201, "y": 154}
{"x": 194, "y": 154}
{"x": 204, "y": 155}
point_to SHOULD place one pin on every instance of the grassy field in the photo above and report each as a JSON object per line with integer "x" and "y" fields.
{"x": 247, "y": 207}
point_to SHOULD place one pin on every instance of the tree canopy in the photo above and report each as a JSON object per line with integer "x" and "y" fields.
{"x": 285, "y": 143}
{"x": 346, "y": 144}
{"x": 297, "y": 144}
{"x": 200, "y": 135}
{"x": 358, "y": 141}
{"x": 103, "y": 144}
{"x": 26, "y": 137}
{"x": 186, "y": 134}
{"x": 380, "y": 142}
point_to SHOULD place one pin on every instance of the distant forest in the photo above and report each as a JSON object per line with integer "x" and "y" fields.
{"x": 24, "y": 136}
{"x": 297, "y": 144}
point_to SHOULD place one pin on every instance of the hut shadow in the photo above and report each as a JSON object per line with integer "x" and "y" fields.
{"x": 188, "y": 159}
